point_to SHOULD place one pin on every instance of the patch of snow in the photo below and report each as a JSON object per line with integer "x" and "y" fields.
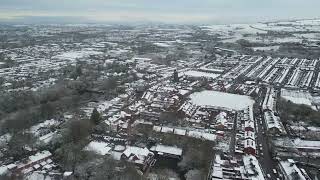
{"x": 201, "y": 74}
{"x": 72, "y": 55}
{"x": 167, "y": 149}
{"x": 101, "y": 148}
{"x": 221, "y": 99}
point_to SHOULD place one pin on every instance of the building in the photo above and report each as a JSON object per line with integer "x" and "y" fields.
{"x": 273, "y": 123}
{"x": 221, "y": 119}
{"x": 28, "y": 163}
{"x": 139, "y": 156}
{"x": 167, "y": 151}
{"x": 249, "y": 126}
{"x": 291, "y": 171}
{"x": 250, "y": 146}
{"x": 249, "y": 135}
{"x": 252, "y": 168}
{"x": 224, "y": 169}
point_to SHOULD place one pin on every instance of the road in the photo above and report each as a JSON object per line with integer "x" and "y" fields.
{"x": 233, "y": 136}
{"x": 263, "y": 149}
{"x": 264, "y": 153}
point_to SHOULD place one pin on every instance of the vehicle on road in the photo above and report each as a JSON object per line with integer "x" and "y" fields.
{"x": 274, "y": 171}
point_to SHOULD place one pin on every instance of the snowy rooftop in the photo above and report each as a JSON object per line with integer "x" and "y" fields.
{"x": 291, "y": 170}
{"x": 3, "y": 170}
{"x": 167, "y": 149}
{"x": 36, "y": 158}
{"x": 306, "y": 144}
{"x": 138, "y": 152}
{"x": 252, "y": 167}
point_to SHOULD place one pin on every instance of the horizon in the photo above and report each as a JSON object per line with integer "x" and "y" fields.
{"x": 151, "y": 11}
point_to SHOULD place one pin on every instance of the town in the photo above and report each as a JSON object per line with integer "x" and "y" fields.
{"x": 160, "y": 101}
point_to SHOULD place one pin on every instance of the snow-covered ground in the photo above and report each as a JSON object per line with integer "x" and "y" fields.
{"x": 72, "y": 55}
{"x": 297, "y": 97}
{"x": 266, "y": 48}
{"x": 46, "y": 124}
{"x": 221, "y": 99}
{"x": 230, "y": 33}
{"x": 162, "y": 44}
{"x": 200, "y": 74}
{"x": 101, "y": 148}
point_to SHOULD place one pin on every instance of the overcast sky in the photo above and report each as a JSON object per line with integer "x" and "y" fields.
{"x": 170, "y": 11}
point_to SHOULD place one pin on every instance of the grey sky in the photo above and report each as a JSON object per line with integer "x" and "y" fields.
{"x": 180, "y": 11}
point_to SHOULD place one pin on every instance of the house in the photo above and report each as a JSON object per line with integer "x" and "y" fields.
{"x": 249, "y": 135}
{"x": 273, "y": 123}
{"x": 224, "y": 169}
{"x": 291, "y": 171}
{"x": 188, "y": 108}
{"x": 3, "y": 170}
{"x": 250, "y": 146}
{"x": 306, "y": 145}
{"x": 168, "y": 151}
{"x": 221, "y": 119}
{"x": 139, "y": 156}
{"x": 252, "y": 167}
{"x": 249, "y": 126}
{"x": 32, "y": 160}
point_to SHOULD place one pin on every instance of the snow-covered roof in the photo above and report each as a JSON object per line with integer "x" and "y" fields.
{"x": 138, "y": 152}
{"x": 306, "y": 144}
{"x": 221, "y": 118}
{"x": 35, "y": 158}
{"x": 290, "y": 169}
{"x": 249, "y": 124}
{"x": 273, "y": 121}
{"x": 167, "y": 129}
{"x": 167, "y": 149}
{"x": 269, "y": 100}
{"x": 202, "y": 135}
{"x": 181, "y": 132}
{"x": 249, "y": 135}
{"x": 157, "y": 128}
{"x": 67, "y": 173}
{"x": 217, "y": 172}
{"x": 40, "y": 156}
{"x": 183, "y": 91}
{"x": 3, "y": 170}
{"x": 252, "y": 167}
{"x": 249, "y": 143}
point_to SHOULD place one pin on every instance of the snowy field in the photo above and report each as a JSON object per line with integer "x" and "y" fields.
{"x": 162, "y": 44}
{"x": 201, "y": 74}
{"x": 101, "y": 148}
{"x": 72, "y": 55}
{"x": 297, "y": 97}
{"x": 266, "y": 48}
{"x": 230, "y": 33}
{"x": 221, "y": 99}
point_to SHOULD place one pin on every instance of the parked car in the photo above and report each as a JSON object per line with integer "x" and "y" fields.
{"x": 274, "y": 171}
